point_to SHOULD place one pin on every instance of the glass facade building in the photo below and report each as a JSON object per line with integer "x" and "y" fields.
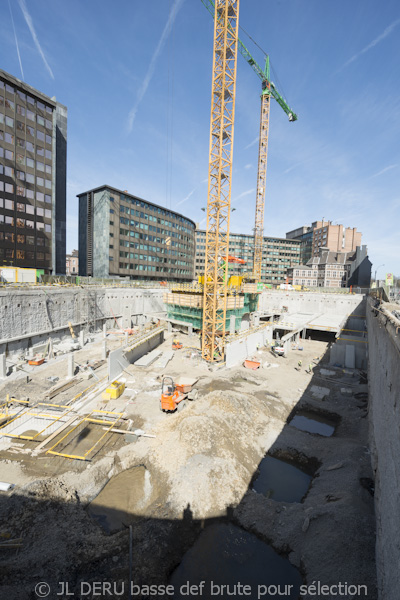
{"x": 278, "y": 255}
{"x": 123, "y": 235}
{"x": 33, "y": 138}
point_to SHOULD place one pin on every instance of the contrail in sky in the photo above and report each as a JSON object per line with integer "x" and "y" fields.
{"x": 150, "y": 71}
{"x": 29, "y": 22}
{"x": 374, "y": 42}
{"x": 185, "y": 199}
{"x": 16, "y": 40}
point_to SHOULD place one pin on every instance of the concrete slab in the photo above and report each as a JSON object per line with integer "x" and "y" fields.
{"x": 164, "y": 359}
{"x": 319, "y": 392}
{"x": 148, "y": 359}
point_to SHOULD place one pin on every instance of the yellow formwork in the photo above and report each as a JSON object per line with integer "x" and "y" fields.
{"x": 37, "y": 415}
{"x": 91, "y": 418}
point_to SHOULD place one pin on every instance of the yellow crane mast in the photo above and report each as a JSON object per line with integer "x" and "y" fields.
{"x": 226, "y": 24}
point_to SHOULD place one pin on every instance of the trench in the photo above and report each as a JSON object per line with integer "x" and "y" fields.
{"x": 313, "y": 422}
{"x": 281, "y": 480}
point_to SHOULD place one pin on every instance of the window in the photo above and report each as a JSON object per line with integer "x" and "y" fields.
{"x": 9, "y": 188}
{"x": 39, "y": 226}
{"x": 39, "y": 151}
{"x": 40, "y": 135}
{"x": 8, "y": 236}
{"x": 9, "y": 171}
{"x": 20, "y": 222}
{"x": 49, "y": 109}
{"x": 48, "y": 184}
{"x": 9, "y": 138}
{"x": 39, "y": 212}
{"x": 48, "y": 154}
{"x": 47, "y": 228}
{"x": 49, "y": 124}
{"x": 47, "y": 198}
{"x": 48, "y": 139}
{"x": 21, "y": 95}
{"x": 39, "y": 180}
{"x": 30, "y": 115}
{"x": 20, "y": 191}
{"x": 30, "y": 100}
{"x": 30, "y": 255}
{"x": 48, "y": 169}
{"x": 30, "y": 147}
{"x": 30, "y": 239}
{"x": 40, "y": 241}
{"x": 20, "y": 159}
{"x": 9, "y": 253}
{"x": 20, "y": 110}
{"x": 40, "y": 120}
{"x": 21, "y": 175}
{"x": 30, "y": 194}
{"x": 10, "y": 104}
{"x": 9, "y": 220}
{"x": 20, "y": 142}
{"x": 39, "y": 166}
{"x": 9, "y": 154}
{"x": 20, "y": 207}
{"x": 30, "y": 163}
{"x": 29, "y": 224}
{"x": 20, "y": 239}
{"x": 9, "y": 204}
{"x": 30, "y": 130}
{"x": 9, "y": 122}
{"x": 40, "y": 256}
{"x": 47, "y": 213}
{"x": 30, "y": 178}
{"x": 1, "y": 118}
{"x": 40, "y": 196}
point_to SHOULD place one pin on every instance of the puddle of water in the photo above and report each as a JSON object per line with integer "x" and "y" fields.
{"x": 313, "y": 423}
{"x": 281, "y": 480}
{"x": 227, "y": 555}
{"x": 125, "y": 496}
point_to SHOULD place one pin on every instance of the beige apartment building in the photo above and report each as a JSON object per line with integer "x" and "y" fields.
{"x": 335, "y": 238}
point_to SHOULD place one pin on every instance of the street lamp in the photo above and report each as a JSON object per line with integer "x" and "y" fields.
{"x": 376, "y": 272}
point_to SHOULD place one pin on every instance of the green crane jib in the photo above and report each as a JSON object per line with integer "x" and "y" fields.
{"x": 268, "y": 86}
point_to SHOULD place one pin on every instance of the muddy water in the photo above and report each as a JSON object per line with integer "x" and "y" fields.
{"x": 222, "y": 385}
{"x": 313, "y": 423}
{"x": 281, "y": 481}
{"x": 227, "y": 555}
{"x": 125, "y": 496}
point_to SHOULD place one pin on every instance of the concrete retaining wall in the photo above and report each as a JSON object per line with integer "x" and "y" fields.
{"x": 308, "y": 302}
{"x": 238, "y": 350}
{"x": 28, "y": 317}
{"x": 384, "y": 416}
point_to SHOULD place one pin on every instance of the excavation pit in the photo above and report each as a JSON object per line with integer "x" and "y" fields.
{"x": 313, "y": 422}
{"x": 124, "y": 497}
{"x": 281, "y": 480}
{"x": 226, "y": 555}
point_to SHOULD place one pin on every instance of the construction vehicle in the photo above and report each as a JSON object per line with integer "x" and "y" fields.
{"x": 176, "y": 344}
{"x": 171, "y": 398}
{"x": 268, "y": 90}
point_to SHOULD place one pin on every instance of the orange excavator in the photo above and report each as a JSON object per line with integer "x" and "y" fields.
{"x": 171, "y": 398}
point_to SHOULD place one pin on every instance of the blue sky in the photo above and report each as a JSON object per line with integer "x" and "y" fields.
{"x": 136, "y": 78}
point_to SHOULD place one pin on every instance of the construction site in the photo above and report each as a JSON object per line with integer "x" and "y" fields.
{"x": 212, "y": 438}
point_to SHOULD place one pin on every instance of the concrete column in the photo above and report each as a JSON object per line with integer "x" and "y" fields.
{"x": 304, "y": 334}
{"x": 169, "y": 327}
{"x": 104, "y": 350}
{"x": 256, "y": 321}
{"x": 126, "y": 338}
{"x": 71, "y": 365}
{"x": 190, "y": 329}
{"x": 3, "y": 366}
{"x": 232, "y": 324}
{"x": 104, "y": 330}
{"x": 81, "y": 338}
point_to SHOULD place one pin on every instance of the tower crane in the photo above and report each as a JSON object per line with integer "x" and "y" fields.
{"x": 226, "y": 24}
{"x": 268, "y": 90}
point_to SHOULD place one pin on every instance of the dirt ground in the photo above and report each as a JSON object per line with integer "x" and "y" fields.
{"x": 198, "y": 469}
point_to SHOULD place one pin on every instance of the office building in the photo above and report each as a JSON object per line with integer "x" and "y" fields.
{"x": 278, "y": 255}
{"x": 322, "y": 234}
{"x": 33, "y": 144}
{"x": 125, "y": 236}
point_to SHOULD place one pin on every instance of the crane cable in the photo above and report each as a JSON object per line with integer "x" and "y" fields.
{"x": 170, "y": 115}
